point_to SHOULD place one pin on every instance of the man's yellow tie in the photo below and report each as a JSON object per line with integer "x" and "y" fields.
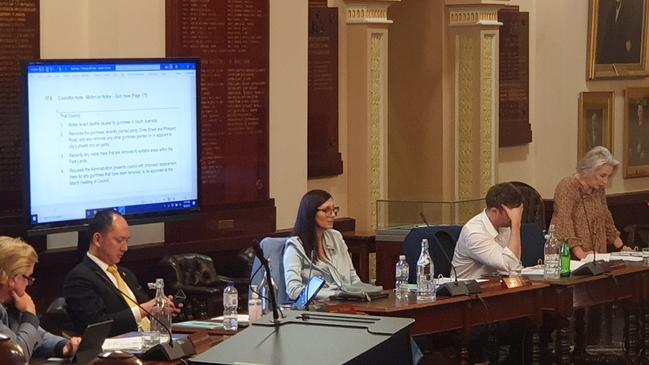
{"x": 121, "y": 285}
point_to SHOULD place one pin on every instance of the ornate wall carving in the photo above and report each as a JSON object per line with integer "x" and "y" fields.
{"x": 487, "y": 115}
{"x": 376, "y": 120}
{"x": 367, "y": 13}
{"x": 473, "y": 16}
{"x": 466, "y": 115}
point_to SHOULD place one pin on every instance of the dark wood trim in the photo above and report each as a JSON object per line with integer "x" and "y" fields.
{"x": 514, "y": 95}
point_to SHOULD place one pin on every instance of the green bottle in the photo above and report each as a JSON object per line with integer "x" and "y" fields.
{"x": 565, "y": 259}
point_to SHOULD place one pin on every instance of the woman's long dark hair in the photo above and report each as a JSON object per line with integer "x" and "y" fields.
{"x": 305, "y": 226}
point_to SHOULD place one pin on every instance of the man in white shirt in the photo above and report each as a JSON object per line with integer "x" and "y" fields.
{"x": 491, "y": 241}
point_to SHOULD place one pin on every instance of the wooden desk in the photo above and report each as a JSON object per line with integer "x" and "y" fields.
{"x": 628, "y": 284}
{"x": 461, "y": 313}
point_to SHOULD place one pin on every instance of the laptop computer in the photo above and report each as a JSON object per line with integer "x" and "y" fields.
{"x": 91, "y": 342}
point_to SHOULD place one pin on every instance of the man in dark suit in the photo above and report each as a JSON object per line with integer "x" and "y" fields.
{"x": 90, "y": 289}
{"x": 619, "y": 31}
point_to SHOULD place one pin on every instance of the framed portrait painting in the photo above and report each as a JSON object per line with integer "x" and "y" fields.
{"x": 617, "y": 34}
{"x": 595, "y": 121}
{"x": 636, "y": 132}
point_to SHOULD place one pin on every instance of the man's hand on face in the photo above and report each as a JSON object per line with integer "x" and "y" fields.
{"x": 515, "y": 214}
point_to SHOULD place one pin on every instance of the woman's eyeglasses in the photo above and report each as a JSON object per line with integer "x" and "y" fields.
{"x": 330, "y": 210}
{"x": 30, "y": 279}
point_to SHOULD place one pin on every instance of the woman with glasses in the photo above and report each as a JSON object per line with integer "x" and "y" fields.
{"x": 18, "y": 318}
{"x": 318, "y": 249}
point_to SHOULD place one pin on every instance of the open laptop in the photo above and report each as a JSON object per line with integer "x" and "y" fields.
{"x": 91, "y": 342}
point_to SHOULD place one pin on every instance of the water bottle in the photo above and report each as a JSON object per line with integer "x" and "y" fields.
{"x": 565, "y": 259}
{"x": 425, "y": 274}
{"x": 402, "y": 274}
{"x": 254, "y": 304}
{"x": 230, "y": 303}
{"x": 551, "y": 265}
{"x": 161, "y": 311}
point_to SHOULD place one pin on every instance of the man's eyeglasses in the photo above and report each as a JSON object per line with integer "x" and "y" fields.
{"x": 30, "y": 279}
{"x": 330, "y": 210}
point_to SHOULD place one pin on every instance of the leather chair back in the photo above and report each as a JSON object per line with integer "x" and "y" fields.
{"x": 533, "y": 210}
{"x": 439, "y": 238}
{"x": 188, "y": 269}
{"x": 273, "y": 248}
{"x": 637, "y": 235}
{"x": 57, "y": 320}
{"x": 532, "y": 242}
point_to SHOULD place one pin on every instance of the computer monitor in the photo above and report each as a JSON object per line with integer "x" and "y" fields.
{"x": 117, "y": 134}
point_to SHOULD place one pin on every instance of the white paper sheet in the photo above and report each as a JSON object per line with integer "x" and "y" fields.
{"x": 123, "y": 343}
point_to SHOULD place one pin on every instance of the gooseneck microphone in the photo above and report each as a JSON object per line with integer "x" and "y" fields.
{"x": 306, "y": 288}
{"x": 162, "y": 351}
{"x": 594, "y": 267}
{"x": 456, "y": 287}
{"x": 271, "y": 288}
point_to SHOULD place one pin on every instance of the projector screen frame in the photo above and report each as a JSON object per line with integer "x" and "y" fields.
{"x": 133, "y": 218}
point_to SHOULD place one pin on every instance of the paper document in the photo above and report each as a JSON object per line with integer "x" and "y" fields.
{"x": 207, "y": 325}
{"x": 241, "y": 318}
{"x": 440, "y": 281}
{"x": 626, "y": 256}
{"x": 123, "y": 343}
{"x": 533, "y": 270}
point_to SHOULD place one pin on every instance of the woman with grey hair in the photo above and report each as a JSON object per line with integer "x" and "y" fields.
{"x": 581, "y": 215}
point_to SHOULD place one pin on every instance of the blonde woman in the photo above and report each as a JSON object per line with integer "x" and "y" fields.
{"x": 18, "y": 318}
{"x": 581, "y": 215}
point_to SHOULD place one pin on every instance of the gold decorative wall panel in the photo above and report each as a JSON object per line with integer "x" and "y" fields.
{"x": 466, "y": 46}
{"x": 376, "y": 120}
{"x": 487, "y": 115}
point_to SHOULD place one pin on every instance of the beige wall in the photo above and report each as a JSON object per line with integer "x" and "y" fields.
{"x": 558, "y": 34}
{"x": 288, "y": 109}
{"x": 558, "y": 37}
{"x": 127, "y": 28}
{"x": 415, "y": 101}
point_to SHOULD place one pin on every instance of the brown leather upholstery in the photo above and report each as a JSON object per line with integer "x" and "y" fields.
{"x": 56, "y": 319}
{"x": 533, "y": 211}
{"x": 194, "y": 273}
{"x": 637, "y": 235}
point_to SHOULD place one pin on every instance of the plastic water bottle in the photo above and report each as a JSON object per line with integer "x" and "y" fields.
{"x": 551, "y": 265}
{"x": 230, "y": 303}
{"x": 402, "y": 273}
{"x": 565, "y": 260}
{"x": 254, "y": 304}
{"x": 161, "y": 311}
{"x": 425, "y": 274}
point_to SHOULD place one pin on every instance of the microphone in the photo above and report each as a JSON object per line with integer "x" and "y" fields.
{"x": 455, "y": 288}
{"x": 271, "y": 288}
{"x": 591, "y": 268}
{"x": 306, "y": 289}
{"x": 162, "y": 351}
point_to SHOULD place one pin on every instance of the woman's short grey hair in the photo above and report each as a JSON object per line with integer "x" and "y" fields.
{"x": 596, "y": 158}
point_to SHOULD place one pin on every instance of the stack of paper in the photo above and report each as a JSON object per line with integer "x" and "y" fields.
{"x": 123, "y": 343}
